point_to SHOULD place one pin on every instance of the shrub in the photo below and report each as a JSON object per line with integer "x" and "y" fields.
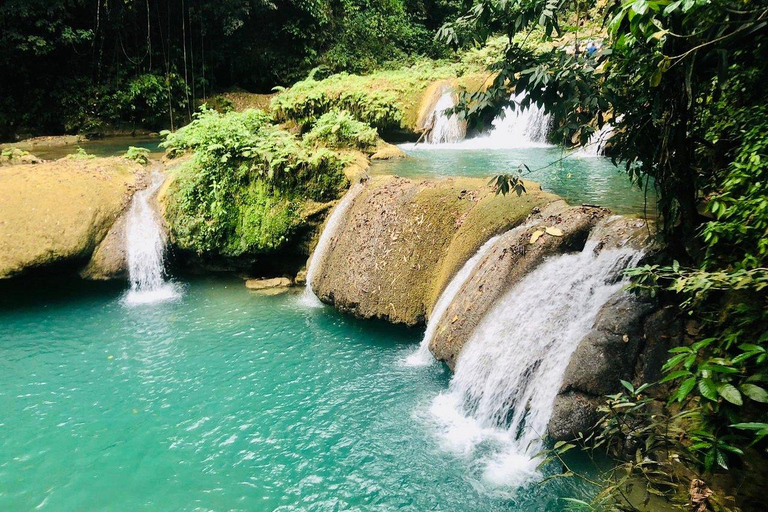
{"x": 340, "y": 129}
{"x": 138, "y": 155}
{"x": 243, "y": 190}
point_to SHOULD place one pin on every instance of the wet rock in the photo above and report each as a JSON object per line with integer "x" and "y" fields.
{"x": 60, "y": 212}
{"x": 265, "y": 284}
{"x": 402, "y": 241}
{"x": 110, "y": 259}
{"x": 512, "y": 257}
{"x": 387, "y": 152}
{"x": 629, "y": 341}
{"x": 573, "y": 413}
{"x": 609, "y": 352}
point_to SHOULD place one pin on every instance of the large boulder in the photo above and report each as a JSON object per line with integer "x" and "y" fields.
{"x": 629, "y": 340}
{"x": 402, "y": 241}
{"x": 59, "y": 212}
{"x": 514, "y": 255}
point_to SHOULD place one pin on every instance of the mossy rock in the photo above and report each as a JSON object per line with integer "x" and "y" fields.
{"x": 402, "y": 241}
{"x": 59, "y": 212}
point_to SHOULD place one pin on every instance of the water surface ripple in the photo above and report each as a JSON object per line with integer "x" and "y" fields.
{"x": 224, "y": 400}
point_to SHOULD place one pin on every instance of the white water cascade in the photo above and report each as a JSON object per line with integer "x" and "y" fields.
{"x": 445, "y": 128}
{"x": 520, "y": 128}
{"x": 145, "y": 244}
{"x": 309, "y": 298}
{"x": 596, "y": 145}
{"x": 422, "y": 355}
{"x": 509, "y": 372}
{"x": 513, "y": 128}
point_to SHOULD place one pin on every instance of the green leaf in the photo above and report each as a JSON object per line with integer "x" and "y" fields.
{"x": 685, "y": 388}
{"x": 675, "y": 375}
{"x": 756, "y": 393}
{"x": 708, "y": 389}
{"x": 629, "y": 386}
{"x": 730, "y": 393}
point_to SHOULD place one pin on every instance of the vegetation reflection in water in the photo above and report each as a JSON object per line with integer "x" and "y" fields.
{"x": 579, "y": 180}
{"x": 223, "y": 400}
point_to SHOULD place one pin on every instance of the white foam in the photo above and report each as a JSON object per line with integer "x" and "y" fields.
{"x": 446, "y": 129}
{"x": 422, "y": 356}
{"x": 509, "y": 372}
{"x": 513, "y": 128}
{"x": 145, "y": 248}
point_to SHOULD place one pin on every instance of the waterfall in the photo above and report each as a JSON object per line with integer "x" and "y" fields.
{"x": 513, "y": 128}
{"x": 596, "y": 145}
{"x": 520, "y": 128}
{"x": 145, "y": 247}
{"x": 323, "y": 245}
{"x": 422, "y": 356}
{"x": 508, "y": 375}
{"x": 445, "y": 128}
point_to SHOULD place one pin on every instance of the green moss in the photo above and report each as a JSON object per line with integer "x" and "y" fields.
{"x": 241, "y": 192}
{"x": 385, "y": 99}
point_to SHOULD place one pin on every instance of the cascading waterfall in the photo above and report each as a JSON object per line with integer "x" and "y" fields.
{"x": 422, "y": 355}
{"x": 145, "y": 244}
{"x": 520, "y": 128}
{"x": 309, "y": 298}
{"x": 513, "y": 128}
{"x": 508, "y": 375}
{"x": 445, "y": 128}
{"x": 596, "y": 145}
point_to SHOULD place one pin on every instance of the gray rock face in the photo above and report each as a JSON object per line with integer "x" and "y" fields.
{"x": 608, "y": 353}
{"x": 629, "y": 341}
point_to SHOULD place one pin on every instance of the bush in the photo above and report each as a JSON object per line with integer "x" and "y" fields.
{"x": 138, "y": 155}
{"x": 340, "y": 129}
{"x": 243, "y": 190}
{"x": 386, "y": 100}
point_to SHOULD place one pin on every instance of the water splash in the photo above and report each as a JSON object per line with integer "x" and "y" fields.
{"x": 145, "y": 244}
{"x": 308, "y": 298}
{"x": 596, "y": 145}
{"x": 445, "y": 128}
{"x": 422, "y": 355}
{"x": 508, "y": 375}
{"x": 513, "y": 128}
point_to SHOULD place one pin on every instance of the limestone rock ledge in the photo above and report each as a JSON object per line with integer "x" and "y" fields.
{"x": 59, "y": 212}
{"x": 402, "y": 241}
{"x": 510, "y": 259}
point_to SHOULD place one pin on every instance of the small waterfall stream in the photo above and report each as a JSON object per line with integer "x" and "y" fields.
{"x": 422, "y": 356}
{"x": 309, "y": 298}
{"x": 145, "y": 244}
{"x": 508, "y": 375}
{"x": 513, "y": 128}
{"x": 520, "y": 128}
{"x": 446, "y": 129}
{"x": 596, "y": 145}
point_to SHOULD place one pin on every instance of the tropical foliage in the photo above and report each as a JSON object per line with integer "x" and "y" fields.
{"x": 244, "y": 188}
{"x": 79, "y": 65}
{"x": 340, "y": 129}
{"x": 681, "y": 83}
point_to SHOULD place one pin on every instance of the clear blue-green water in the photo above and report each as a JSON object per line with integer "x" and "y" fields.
{"x": 115, "y": 145}
{"x": 579, "y": 180}
{"x": 222, "y": 400}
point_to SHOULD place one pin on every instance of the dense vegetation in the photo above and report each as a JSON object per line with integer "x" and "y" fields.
{"x": 246, "y": 186}
{"x": 681, "y": 82}
{"x": 81, "y": 66}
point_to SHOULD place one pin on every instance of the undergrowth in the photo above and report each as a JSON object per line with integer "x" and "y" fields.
{"x": 243, "y": 190}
